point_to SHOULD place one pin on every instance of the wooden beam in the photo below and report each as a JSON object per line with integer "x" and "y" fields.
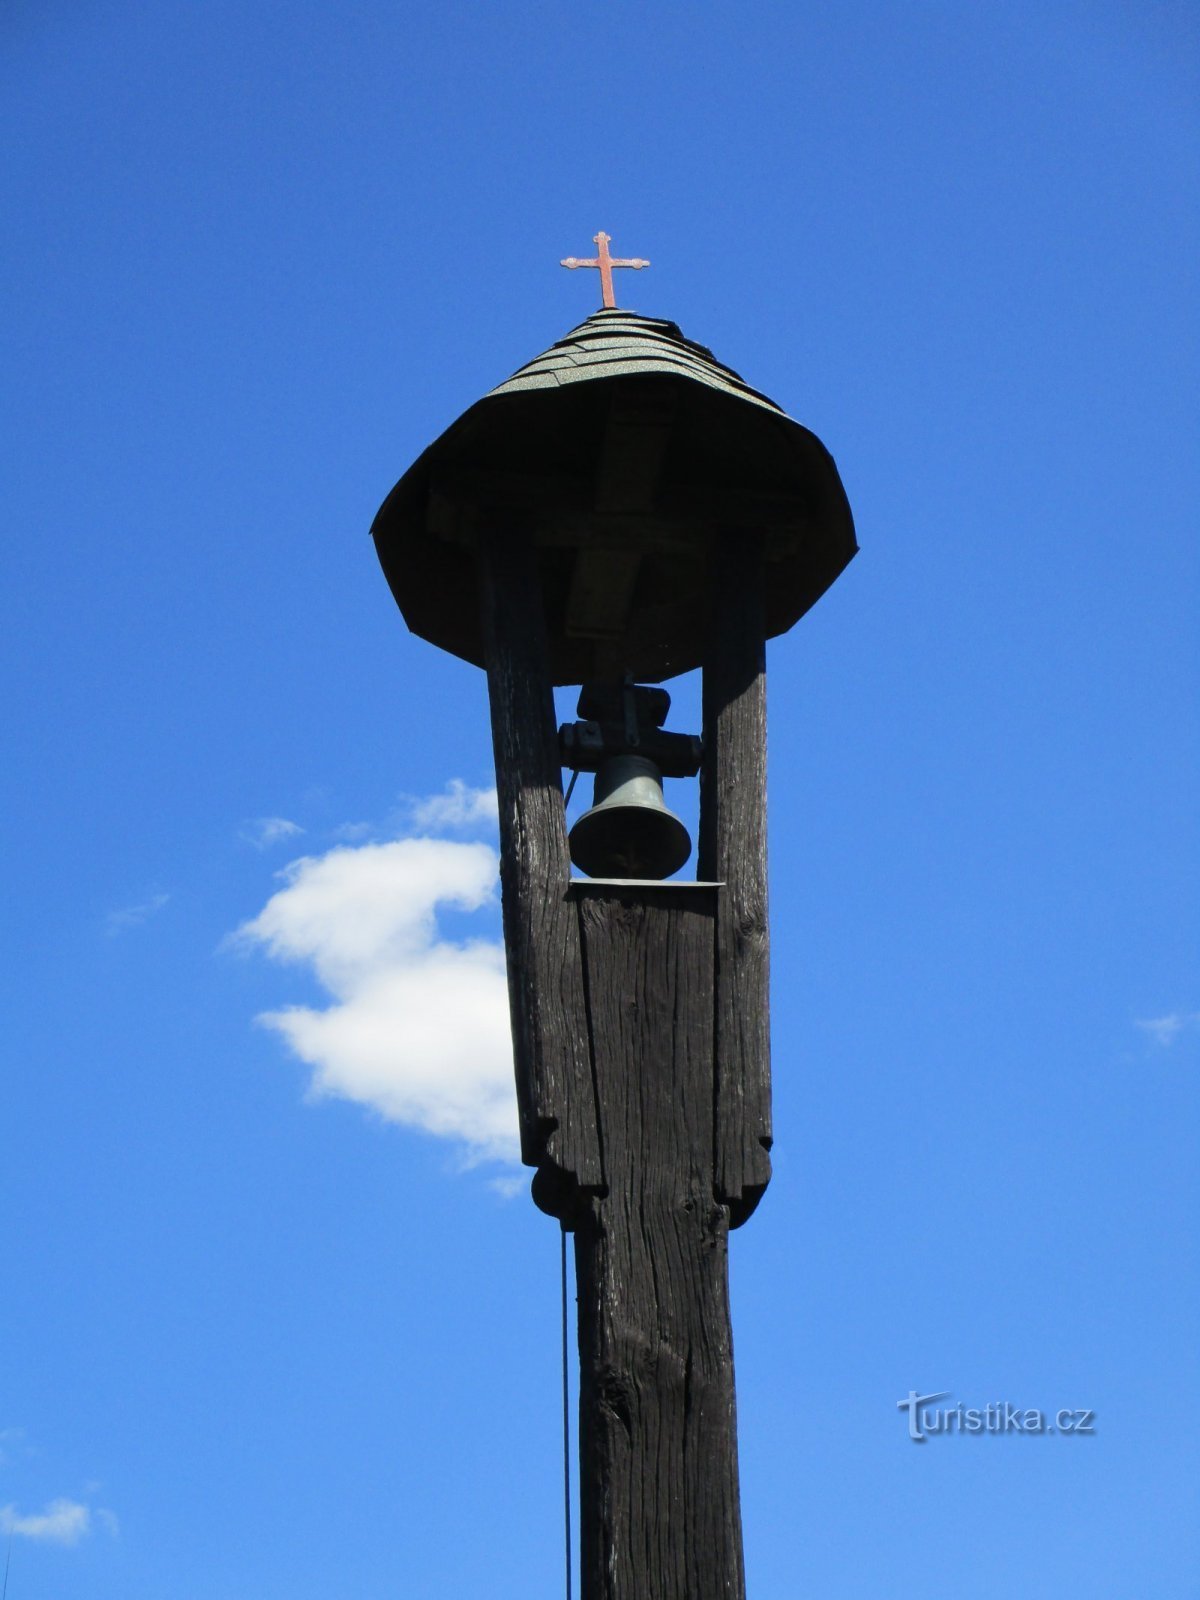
{"x": 601, "y": 592}
{"x": 733, "y": 851}
{"x": 660, "y": 1509}
{"x": 552, "y": 1058}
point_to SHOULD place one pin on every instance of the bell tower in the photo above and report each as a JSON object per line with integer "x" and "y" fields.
{"x": 624, "y": 509}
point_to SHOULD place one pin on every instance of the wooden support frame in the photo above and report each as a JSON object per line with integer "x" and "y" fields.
{"x": 641, "y": 1050}
{"x": 552, "y": 1056}
{"x": 733, "y": 851}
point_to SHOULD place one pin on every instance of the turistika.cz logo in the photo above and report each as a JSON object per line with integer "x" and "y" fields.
{"x": 927, "y": 1419}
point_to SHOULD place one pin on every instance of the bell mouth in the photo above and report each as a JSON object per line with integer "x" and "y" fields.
{"x": 629, "y": 842}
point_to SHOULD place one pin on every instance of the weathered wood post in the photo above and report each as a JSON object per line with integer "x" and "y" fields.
{"x": 622, "y": 510}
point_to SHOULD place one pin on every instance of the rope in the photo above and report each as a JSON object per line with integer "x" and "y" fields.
{"x": 566, "y": 1417}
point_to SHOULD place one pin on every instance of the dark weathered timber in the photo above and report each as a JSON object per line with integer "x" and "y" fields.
{"x": 733, "y": 851}
{"x": 660, "y": 1511}
{"x": 555, "y": 1091}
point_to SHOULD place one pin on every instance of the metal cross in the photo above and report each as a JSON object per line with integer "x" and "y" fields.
{"x": 606, "y": 263}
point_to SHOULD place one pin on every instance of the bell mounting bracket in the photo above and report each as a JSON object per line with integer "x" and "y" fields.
{"x": 625, "y": 719}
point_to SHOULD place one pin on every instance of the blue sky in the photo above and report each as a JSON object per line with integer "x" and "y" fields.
{"x": 275, "y": 1322}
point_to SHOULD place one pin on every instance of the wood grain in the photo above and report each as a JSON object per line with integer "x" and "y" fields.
{"x": 660, "y": 1511}
{"x": 733, "y": 851}
{"x": 552, "y": 1059}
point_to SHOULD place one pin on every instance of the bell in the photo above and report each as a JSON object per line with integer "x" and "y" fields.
{"x": 629, "y": 832}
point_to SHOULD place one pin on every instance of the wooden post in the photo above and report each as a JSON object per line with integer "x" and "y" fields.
{"x": 555, "y": 1092}
{"x": 660, "y": 1512}
{"x": 733, "y": 851}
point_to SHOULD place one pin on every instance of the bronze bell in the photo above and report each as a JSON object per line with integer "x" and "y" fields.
{"x": 629, "y": 832}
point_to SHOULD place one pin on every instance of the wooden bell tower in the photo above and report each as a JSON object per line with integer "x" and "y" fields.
{"x": 622, "y": 510}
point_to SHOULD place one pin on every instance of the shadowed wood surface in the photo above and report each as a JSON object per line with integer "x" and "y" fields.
{"x": 659, "y": 1498}
{"x": 733, "y": 850}
{"x": 555, "y": 1091}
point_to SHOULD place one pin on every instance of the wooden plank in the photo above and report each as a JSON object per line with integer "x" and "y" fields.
{"x": 660, "y": 1510}
{"x": 601, "y": 592}
{"x": 733, "y": 850}
{"x": 552, "y": 1058}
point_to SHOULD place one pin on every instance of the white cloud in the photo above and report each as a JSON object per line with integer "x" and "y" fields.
{"x": 131, "y": 916}
{"x": 62, "y": 1522}
{"x": 1165, "y": 1030}
{"x": 418, "y": 1026}
{"x": 263, "y": 832}
{"x": 459, "y": 807}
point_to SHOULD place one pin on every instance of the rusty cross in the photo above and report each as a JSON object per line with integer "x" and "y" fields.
{"x": 606, "y": 263}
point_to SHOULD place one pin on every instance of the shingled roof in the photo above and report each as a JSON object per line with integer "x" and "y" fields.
{"x": 613, "y": 343}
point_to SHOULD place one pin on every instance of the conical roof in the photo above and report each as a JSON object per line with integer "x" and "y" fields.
{"x": 614, "y": 343}
{"x": 625, "y": 448}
